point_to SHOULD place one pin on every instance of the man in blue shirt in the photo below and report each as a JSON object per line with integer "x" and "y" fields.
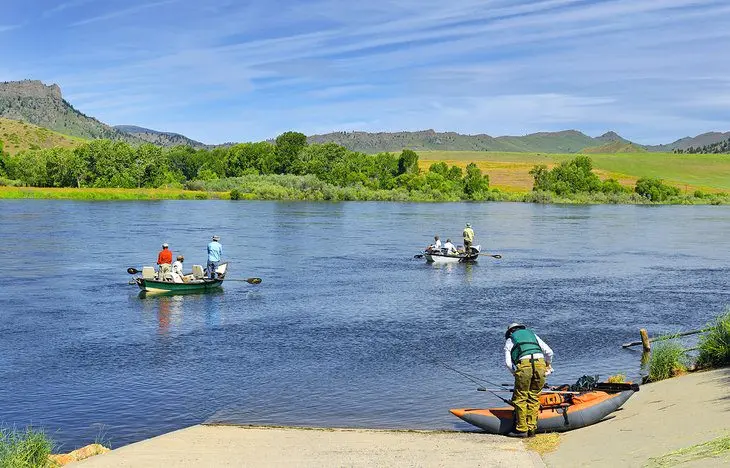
{"x": 215, "y": 252}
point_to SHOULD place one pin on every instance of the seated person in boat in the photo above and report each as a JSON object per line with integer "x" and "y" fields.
{"x": 436, "y": 246}
{"x": 164, "y": 261}
{"x": 450, "y": 248}
{"x": 177, "y": 270}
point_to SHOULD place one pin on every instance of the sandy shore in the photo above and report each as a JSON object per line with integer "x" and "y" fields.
{"x": 661, "y": 418}
{"x": 214, "y": 446}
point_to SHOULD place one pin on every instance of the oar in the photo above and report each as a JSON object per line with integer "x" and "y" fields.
{"x": 418, "y": 256}
{"x": 491, "y": 255}
{"x": 134, "y": 271}
{"x": 247, "y": 280}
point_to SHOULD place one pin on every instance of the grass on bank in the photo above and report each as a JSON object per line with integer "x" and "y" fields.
{"x": 10, "y": 192}
{"x": 28, "y": 448}
{"x": 667, "y": 360}
{"x": 715, "y": 343}
{"x": 717, "y": 449}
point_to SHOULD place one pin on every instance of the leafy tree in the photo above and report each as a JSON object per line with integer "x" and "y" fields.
{"x": 3, "y": 171}
{"x": 476, "y": 186}
{"x": 288, "y": 147}
{"x": 408, "y": 162}
{"x": 655, "y": 189}
{"x": 567, "y": 177}
{"x": 440, "y": 168}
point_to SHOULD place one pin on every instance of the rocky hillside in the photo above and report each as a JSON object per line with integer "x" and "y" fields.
{"x": 568, "y": 141}
{"x": 35, "y": 103}
{"x": 159, "y": 138}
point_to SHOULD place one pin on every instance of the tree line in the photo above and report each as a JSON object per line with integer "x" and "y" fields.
{"x": 109, "y": 163}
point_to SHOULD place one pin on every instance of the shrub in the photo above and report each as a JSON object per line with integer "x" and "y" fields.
{"x": 655, "y": 189}
{"x": 667, "y": 360}
{"x": 715, "y": 344}
{"x": 235, "y": 194}
{"x": 27, "y": 448}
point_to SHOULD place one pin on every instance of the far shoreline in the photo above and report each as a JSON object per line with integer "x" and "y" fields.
{"x": 156, "y": 194}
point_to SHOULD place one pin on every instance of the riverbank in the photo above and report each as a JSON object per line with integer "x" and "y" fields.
{"x": 338, "y": 194}
{"x": 663, "y": 417}
{"x": 270, "y": 446}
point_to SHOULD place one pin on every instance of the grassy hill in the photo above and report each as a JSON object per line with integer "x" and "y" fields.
{"x": 614, "y": 147}
{"x": 510, "y": 171}
{"x": 18, "y": 136}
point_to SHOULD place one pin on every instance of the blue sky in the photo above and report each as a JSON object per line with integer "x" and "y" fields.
{"x": 220, "y": 70}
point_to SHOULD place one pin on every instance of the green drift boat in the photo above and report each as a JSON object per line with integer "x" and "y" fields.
{"x": 194, "y": 282}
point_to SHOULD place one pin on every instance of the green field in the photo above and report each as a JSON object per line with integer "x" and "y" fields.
{"x": 709, "y": 172}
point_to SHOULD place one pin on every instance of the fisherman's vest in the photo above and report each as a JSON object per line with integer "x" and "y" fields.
{"x": 524, "y": 343}
{"x": 468, "y": 234}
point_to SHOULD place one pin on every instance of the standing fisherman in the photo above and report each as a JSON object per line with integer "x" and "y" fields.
{"x": 164, "y": 261}
{"x": 215, "y": 252}
{"x": 468, "y": 238}
{"x": 528, "y": 358}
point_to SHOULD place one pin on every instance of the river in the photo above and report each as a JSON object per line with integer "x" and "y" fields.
{"x": 347, "y": 329}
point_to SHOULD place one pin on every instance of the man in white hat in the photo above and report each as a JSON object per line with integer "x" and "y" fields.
{"x": 529, "y": 359}
{"x": 215, "y": 252}
{"x": 164, "y": 260}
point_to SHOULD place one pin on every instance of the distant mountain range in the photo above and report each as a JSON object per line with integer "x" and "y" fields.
{"x": 35, "y": 103}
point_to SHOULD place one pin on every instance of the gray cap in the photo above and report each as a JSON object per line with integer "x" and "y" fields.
{"x": 216, "y": 238}
{"x": 468, "y": 225}
{"x": 164, "y": 246}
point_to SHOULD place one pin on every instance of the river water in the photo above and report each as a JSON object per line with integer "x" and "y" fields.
{"x": 347, "y": 329}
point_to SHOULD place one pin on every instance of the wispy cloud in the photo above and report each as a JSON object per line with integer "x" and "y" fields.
{"x": 64, "y": 6}
{"x": 122, "y": 12}
{"x": 646, "y": 69}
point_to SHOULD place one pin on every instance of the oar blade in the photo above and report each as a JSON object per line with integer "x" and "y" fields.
{"x": 132, "y": 271}
{"x": 253, "y": 280}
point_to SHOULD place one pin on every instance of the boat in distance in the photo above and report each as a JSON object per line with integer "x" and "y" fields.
{"x": 558, "y": 413}
{"x": 441, "y": 255}
{"x": 150, "y": 282}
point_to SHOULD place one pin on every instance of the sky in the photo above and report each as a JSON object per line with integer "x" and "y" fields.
{"x": 221, "y": 70}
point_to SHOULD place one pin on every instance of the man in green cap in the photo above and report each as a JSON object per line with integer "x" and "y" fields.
{"x": 529, "y": 359}
{"x": 468, "y": 238}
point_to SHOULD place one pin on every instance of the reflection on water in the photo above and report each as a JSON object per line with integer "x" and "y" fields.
{"x": 345, "y": 328}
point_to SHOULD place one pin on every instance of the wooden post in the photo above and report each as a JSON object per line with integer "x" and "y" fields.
{"x": 645, "y": 340}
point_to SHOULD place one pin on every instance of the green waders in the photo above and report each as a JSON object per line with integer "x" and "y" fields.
{"x": 529, "y": 380}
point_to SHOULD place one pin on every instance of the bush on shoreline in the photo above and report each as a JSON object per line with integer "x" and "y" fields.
{"x": 27, "y": 448}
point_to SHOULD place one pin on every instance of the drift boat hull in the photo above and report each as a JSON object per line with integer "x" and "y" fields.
{"x": 441, "y": 257}
{"x": 585, "y": 409}
{"x": 154, "y": 286}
